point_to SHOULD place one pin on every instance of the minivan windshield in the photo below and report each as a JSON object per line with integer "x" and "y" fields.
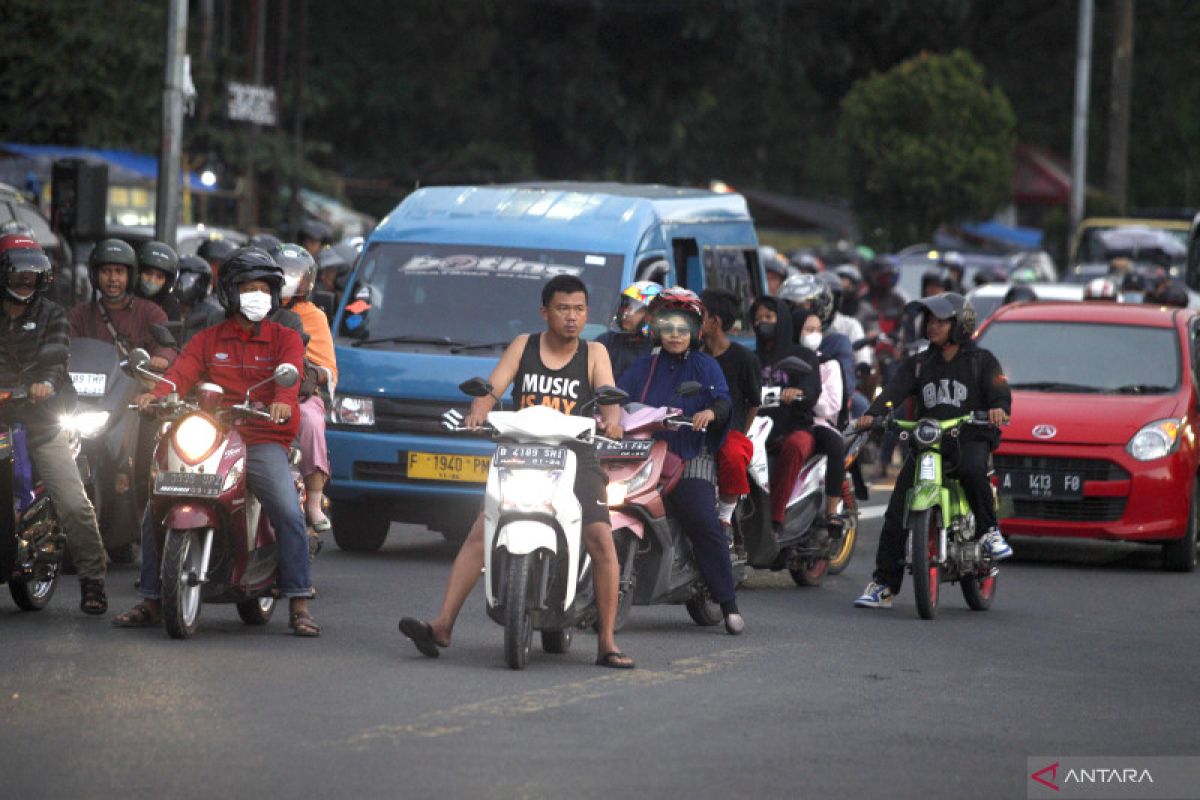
{"x": 1085, "y": 358}
{"x": 472, "y": 296}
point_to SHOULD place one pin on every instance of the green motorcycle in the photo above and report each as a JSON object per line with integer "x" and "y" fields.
{"x": 942, "y": 544}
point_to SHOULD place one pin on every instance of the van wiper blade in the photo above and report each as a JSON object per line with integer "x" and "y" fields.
{"x": 1055, "y": 386}
{"x": 410, "y": 339}
{"x": 1141, "y": 388}
{"x": 458, "y": 348}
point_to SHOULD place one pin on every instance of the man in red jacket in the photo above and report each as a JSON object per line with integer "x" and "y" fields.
{"x": 236, "y": 354}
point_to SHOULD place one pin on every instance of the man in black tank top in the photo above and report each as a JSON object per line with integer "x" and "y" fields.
{"x": 556, "y": 369}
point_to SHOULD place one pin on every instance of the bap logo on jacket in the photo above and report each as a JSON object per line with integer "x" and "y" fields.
{"x": 944, "y": 392}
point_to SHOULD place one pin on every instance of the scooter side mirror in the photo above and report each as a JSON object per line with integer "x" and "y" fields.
{"x": 689, "y": 388}
{"x": 53, "y": 355}
{"x": 794, "y": 365}
{"x": 138, "y": 359}
{"x": 611, "y": 396}
{"x": 164, "y": 334}
{"x": 286, "y": 375}
{"x": 475, "y": 387}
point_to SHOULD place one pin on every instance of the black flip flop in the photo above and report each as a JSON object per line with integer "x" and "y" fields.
{"x": 421, "y": 634}
{"x": 610, "y": 660}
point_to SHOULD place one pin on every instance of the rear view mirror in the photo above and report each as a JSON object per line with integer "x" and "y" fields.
{"x": 794, "y": 366}
{"x": 165, "y": 334}
{"x": 138, "y": 359}
{"x": 475, "y": 387}
{"x": 52, "y": 355}
{"x": 689, "y": 388}
{"x": 611, "y": 396}
{"x": 286, "y": 375}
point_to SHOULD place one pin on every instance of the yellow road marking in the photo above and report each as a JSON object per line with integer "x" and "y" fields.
{"x": 449, "y": 721}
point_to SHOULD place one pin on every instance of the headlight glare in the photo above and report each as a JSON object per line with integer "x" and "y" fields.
{"x": 195, "y": 438}
{"x": 353, "y": 411}
{"x": 86, "y": 423}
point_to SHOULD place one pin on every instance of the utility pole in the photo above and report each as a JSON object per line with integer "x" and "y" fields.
{"x": 1117, "y": 172}
{"x": 1083, "y": 68}
{"x": 166, "y": 207}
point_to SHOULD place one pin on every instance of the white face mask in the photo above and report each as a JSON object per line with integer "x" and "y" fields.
{"x": 811, "y": 340}
{"x": 254, "y": 305}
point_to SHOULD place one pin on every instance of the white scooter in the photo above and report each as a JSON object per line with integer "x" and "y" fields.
{"x": 537, "y": 574}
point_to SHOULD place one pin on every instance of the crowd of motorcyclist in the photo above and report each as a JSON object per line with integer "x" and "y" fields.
{"x": 215, "y": 316}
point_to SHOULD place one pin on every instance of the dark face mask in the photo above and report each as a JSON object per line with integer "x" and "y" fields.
{"x": 765, "y": 329}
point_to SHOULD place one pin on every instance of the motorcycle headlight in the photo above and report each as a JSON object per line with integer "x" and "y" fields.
{"x": 528, "y": 490}
{"x": 619, "y": 490}
{"x": 352, "y": 411}
{"x": 927, "y": 433}
{"x": 195, "y": 438}
{"x": 85, "y": 423}
{"x": 1155, "y": 440}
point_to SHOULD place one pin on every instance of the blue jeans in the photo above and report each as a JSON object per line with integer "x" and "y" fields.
{"x": 270, "y": 478}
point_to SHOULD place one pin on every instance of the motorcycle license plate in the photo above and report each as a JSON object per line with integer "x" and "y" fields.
{"x": 1032, "y": 485}
{"x": 89, "y": 384}
{"x": 632, "y": 449}
{"x": 530, "y": 456}
{"x": 448, "y": 467}
{"x": 187, "y": 484}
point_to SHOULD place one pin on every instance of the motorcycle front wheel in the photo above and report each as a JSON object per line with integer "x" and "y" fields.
{"x": 31, "y": 594}
{"x": 923, "y": 532}
{"x": 518, "y": 623}
{"x": 181, "y": 583}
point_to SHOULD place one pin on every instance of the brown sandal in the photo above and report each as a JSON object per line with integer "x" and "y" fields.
{"x": 140, "y": 616}
{"x": 302, "y": 624}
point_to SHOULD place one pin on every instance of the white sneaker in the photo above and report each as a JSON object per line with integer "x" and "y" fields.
{"x": 876, "y": 595}
{"x": 995, "y": 546}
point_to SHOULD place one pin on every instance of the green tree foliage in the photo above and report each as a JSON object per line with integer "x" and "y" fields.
{"x": 928, "y": 142}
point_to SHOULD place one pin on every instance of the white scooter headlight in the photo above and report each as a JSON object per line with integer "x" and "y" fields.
{"x": 619, "y": 490}
{"x": 195, "y": 438}
{"x": 86, "y": 423}
{"x": 528, "y": 490}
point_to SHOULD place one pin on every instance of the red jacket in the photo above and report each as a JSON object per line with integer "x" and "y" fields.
{"x": 235, "y": 360}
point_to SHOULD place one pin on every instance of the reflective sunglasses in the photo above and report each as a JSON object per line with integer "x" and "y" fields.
{"x": 667, "y": 329}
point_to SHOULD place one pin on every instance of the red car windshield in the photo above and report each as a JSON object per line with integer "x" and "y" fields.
{"x": 1085, "y": 358}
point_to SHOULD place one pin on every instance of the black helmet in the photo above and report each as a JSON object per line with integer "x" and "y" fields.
{"x": 835, "y": 287}
{"x": 316, "y": 230}
{"x": 195, "y": 276}
{"x": 216, "y": 250}
{"x": 1174, "y": 295}
{"x": 949, "y": 305}
{"x": 333, "y": 258}
{"x": 160, "y": 256}
{"x": 264, "y": 241}
{"x": 882, "y": 273}
{"x": 111, "y": 251}
{"x": 247, "y": 264}
{"x": 299, "y": 272}
{"x": 935, "y": 276}
{"x": 987, "y": 275}
{"x": 1020, "y": 293}
{"x": 806, "y": 262}
{"x": 808, "y": 291}
{"x": 20, "y": 253}
{"x": 850, "y": 273}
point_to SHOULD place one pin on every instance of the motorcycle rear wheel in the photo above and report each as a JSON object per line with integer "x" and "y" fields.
{"x": 518, "y": 623}
{"x": 257, "y": 611}
{"x": 923, "y": 531}
{"x": 838, "y": 561}
{"x": 979, "y": 591}
{"x": 180, "y": 600}
{"x": 812, "y": 573}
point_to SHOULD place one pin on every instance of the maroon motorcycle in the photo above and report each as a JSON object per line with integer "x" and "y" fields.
{"x": 217, "y": 545}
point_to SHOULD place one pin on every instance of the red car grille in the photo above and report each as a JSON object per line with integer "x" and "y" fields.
{"x": 1090, "y": 469}
{"x": 1089, "y": 509}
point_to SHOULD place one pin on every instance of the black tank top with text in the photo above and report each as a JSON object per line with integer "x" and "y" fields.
{"x": 567, "y": 390}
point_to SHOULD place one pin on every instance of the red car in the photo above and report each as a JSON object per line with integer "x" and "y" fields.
{"x": 1102, "y": 442}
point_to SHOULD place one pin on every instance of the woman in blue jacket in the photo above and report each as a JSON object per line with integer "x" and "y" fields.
{"x": 676, "y": 316}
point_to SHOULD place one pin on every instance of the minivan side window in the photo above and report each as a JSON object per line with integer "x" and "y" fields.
{"x": 734, "y": 269}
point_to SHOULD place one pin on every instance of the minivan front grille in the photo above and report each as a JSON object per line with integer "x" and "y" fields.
{"x": 413, "y": 416}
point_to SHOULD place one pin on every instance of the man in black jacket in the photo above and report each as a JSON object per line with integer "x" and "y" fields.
{"x": 950, "y": 379}
{"x": 33, "y": 323}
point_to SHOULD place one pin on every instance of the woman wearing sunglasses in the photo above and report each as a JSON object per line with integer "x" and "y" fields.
{"x": 676, "y": 316}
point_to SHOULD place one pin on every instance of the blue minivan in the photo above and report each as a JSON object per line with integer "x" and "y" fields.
{"x": 447, "y": 280}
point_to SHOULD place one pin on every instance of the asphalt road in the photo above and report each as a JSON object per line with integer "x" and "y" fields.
{"x": 1089, "y": 650}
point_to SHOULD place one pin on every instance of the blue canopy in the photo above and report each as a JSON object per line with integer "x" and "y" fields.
{"x": 125, "y": 165}
{"x": 1028, "y": 238}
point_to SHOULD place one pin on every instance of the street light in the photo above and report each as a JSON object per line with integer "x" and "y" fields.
{"x": 208, "y": 178}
